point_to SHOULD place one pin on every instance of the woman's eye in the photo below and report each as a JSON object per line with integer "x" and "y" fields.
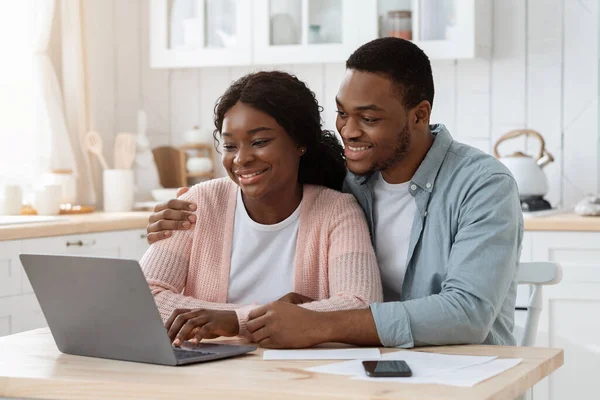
{"x": 261, "y": 142}
{"x": 342, "y": 114}
{"x": 228, "y": 147}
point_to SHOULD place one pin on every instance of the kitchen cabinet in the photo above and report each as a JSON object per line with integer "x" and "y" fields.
{"x": 570, "y": 317}
{"x": 19, "y": 309}
{"x": 443, "y": 29}
{"x": 194, "y": 33}
{"x": 201, "y": 33}
{"x": 304, "y": 31}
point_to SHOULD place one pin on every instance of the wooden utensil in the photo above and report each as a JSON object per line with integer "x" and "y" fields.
{"x": 124, "y": 150}
{"x": 93, "y": 142}
{"x": 171, "y": 166}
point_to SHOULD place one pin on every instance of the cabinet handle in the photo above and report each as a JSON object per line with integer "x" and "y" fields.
{"x": 81, "y": 243}
{"x": 143, "y": 236}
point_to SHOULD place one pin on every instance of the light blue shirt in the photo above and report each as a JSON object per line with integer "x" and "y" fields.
{"x": 464, "y": 249}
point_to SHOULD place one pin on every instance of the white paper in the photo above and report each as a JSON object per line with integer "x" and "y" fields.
{"x": 422, "y": 364}
{"x": 323, "y": 354}
{"x": 465, "y": 377}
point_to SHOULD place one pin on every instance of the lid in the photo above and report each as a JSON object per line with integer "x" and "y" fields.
{"x": 400, "y": 13}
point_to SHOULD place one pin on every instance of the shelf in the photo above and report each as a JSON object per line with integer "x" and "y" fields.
{"x": 197, "y": 146}
{"x": 200, "y": 175}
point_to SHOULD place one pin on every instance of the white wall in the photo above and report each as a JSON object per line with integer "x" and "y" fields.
{"x": 543, "y": 75}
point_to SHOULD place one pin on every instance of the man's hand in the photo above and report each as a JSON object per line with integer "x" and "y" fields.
{"x": 170, "y": 216}
{"x": 295, "y": 298}
{"x": 283, "y": 325}
{"x": 195, "y": 325}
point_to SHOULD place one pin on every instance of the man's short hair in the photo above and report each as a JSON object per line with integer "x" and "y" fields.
{"x": 402, "y": 62}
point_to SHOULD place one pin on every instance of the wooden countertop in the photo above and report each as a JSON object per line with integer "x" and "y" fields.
{"x": 76, "y": 224}
{"x": 103, "y": 222}
{"x": 32, "y": 367}
{"x": 563, "y": 222}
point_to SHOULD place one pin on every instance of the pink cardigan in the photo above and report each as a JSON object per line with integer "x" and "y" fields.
{"x": 335, "y": 263}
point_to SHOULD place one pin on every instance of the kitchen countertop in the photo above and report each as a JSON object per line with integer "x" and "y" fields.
{"x": 563, "y": 222}
{"x": 76, "y": 224}
{"x": 104, "y": 222}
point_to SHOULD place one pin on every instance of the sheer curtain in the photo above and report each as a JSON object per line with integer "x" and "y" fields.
{"x": 33, "y": 130}
{"x": 20, "y": 149}
{"x": 75, "y": 95}
{"x": 52, "y": 126}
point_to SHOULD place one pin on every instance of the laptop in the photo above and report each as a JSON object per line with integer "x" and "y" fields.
{"x": 103, "y": 307}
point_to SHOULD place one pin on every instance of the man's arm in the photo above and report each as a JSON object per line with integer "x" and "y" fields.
{"x": 481, "y": 270}
{"x": 170, "y": 216}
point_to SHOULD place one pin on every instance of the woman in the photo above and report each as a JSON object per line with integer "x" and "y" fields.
{"x": 277, "y": 225}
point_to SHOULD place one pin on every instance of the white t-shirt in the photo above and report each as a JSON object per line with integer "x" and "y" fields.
{"x": 393, "y": 214}
{"x": 262, "y": 257}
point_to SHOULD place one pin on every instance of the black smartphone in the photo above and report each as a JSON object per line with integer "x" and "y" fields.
{"x": 387, "y": 369}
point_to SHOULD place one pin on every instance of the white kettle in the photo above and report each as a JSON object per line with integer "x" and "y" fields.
{"x": 527, "y": 171}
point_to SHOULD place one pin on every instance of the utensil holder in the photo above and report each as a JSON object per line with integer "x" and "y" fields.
{"x": 118, "y": 190}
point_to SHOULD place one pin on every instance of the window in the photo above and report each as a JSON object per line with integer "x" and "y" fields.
{"x": 20, "y": 145}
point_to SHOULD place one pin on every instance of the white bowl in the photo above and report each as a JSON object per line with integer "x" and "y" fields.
{"x": 199, "y": 165}
{"x": 164, "y": 194}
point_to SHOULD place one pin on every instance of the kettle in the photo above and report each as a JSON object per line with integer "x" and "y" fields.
{"x": 527, "y": 171}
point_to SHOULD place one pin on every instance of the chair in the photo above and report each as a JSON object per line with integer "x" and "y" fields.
{"x": 535, "y": 274}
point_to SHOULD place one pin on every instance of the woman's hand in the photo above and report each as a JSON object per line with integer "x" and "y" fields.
{"x": 195, "y": 325}
{"x": 170, "y": 216}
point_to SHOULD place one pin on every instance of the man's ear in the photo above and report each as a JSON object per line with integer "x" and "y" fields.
{"x": 422, "y": 113}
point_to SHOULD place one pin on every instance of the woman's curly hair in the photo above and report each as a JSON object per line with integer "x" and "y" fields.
{"x": 295, "y": 108}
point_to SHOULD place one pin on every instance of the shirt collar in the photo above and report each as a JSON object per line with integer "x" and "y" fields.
{"x": 431, "y": 164}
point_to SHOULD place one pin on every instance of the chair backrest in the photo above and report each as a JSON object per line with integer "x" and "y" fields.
{"x": 536, "y": 274}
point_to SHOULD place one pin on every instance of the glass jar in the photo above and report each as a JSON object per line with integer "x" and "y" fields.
{"x": 399, "y": 24}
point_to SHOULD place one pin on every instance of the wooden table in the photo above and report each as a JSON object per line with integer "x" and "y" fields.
{"x": 32, "y": 367}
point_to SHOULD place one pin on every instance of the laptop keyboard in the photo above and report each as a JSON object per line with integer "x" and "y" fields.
{"x": 184, "y": 354}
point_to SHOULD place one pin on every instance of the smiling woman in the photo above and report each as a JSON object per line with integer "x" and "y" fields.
{"x": 277, "y": 228}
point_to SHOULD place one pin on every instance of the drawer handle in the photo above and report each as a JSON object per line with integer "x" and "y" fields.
{"x": 143, "y": 236}
{"x": 81, "y": 243}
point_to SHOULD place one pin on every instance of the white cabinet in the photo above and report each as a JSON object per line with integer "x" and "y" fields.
{"x": 134, "y": 244}
{"x": 193, "y": 33}
{"x": 570, "y": 316}
{"x": 19, "y": 308}
{"x": 304, "y": 31}
{"x": 200, "y": 33}
{"x": 10, "y": 269}
{"x": 443, "y": 29}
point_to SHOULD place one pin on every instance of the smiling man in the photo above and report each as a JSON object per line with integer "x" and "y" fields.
{"x": 444, "y": 217}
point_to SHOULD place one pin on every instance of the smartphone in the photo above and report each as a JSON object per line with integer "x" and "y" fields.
{"x": 387, "y": 369}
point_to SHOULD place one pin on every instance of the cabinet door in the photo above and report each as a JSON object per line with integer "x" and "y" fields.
{"x": 10, "y": 268}
{"x": 443, "y": 29}
{"x": 134, "y": 244}
{"x": 570, "y": 315}
{"x": 200, "y": 33}
{"x": 105, "y": 244}
{"x": 26, "y": 313}
{"x": 304, "y": 31}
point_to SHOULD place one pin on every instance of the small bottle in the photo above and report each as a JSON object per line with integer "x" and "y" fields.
{"x": 399, "y": 24}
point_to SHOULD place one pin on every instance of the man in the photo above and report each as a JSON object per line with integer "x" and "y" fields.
{"x": 445, "y": 219}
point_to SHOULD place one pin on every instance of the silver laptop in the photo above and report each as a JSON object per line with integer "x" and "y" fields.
{"x": 102, "y": 307}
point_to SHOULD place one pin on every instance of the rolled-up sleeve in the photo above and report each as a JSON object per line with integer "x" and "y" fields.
{"x": 480, "y": 271}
